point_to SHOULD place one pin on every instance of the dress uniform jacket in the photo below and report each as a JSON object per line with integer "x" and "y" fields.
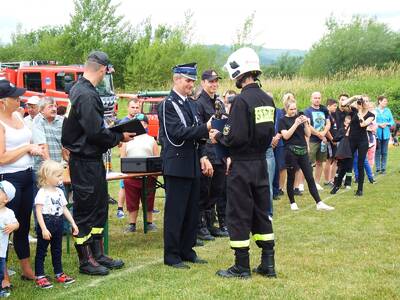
{"x": 181, "y": 159}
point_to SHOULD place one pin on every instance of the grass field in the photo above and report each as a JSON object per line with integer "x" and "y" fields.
{"x": 350, "y": 253}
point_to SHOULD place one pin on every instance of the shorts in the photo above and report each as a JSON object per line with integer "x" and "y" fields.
{"x": 291, "y": 159}
{"x": 133, "y": 193}
{"x": 316, "y": 154}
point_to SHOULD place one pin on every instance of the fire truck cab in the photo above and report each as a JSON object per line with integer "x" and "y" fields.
{"x": 46, "y": 78}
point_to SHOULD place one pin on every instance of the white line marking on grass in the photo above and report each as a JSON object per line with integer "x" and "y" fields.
{"x": 99, "y": 280}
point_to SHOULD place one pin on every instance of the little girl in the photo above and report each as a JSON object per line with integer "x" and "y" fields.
{"x": 50, "y": 205}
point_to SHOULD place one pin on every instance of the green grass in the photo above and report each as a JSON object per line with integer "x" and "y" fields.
{"x": 350, "y": 253}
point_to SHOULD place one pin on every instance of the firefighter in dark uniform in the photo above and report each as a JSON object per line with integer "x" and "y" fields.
{"x": 211, "y": 188}
{"x": 85, "y": 136}
{"x": 180, "y": 129}
{"x": 248, "y": 133}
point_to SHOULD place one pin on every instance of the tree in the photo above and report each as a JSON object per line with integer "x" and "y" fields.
{"x": 362, "y": 42}
{"x": 285, "y": 66}
{"x": 244, "y": 35}
{"x": 94, "y": 25}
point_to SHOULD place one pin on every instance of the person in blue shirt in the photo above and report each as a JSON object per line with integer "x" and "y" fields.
{"x": 384, "y": 119}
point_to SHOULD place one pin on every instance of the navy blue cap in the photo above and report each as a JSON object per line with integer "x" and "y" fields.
{"x": 99, "y": 57}
{"x": 7, "y": 89}
{"x": 186, "y": 70}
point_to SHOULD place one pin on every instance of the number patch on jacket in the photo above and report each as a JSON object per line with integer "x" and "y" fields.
{"x": 264, "y": 114}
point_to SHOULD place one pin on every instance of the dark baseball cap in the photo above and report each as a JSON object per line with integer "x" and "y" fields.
{"x": 99, "y": 57}
{"x": 187, "y": 70}
{"x": 7, "y": 89}
{"x": 209, "y": 75}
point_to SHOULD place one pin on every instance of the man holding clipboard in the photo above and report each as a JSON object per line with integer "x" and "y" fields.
{"x": 87, "y": 138}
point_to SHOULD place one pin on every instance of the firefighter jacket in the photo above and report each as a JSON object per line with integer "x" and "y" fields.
{"x": 180, "y": 130}
{"x": 250, "y": 126}
{"x": 84, "y": 132}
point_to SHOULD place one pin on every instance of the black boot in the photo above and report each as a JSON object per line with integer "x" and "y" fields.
{"x": 222, "y": 227}
{"x": 214, "y": 231}
{"x": 87, "y": 264}
{"x": 267, "y": 266}
{"x": 202, "y": 231}
{"x": 98, "y": 254}
{"x": 241, "y": 268}
{"x": 335, "y": 190}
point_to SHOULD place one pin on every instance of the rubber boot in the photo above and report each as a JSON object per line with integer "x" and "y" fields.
{"x": 267, "y": 266}
{"x": 87, "y": 264}
{"x": 202, "y": 231}
{"x": 214, "y": 231}
{"x": 241, "y": 268}
{"x": 97, "y": 247}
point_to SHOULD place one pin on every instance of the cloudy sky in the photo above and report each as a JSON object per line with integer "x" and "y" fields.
{"x": 287, "y": 24}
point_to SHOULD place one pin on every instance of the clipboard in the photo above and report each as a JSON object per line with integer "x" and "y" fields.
{"x": 133, "y": 125}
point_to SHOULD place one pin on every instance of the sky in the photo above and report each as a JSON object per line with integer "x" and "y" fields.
{"x": 280, "y": 24}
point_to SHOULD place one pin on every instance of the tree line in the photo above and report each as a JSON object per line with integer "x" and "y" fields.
{"x": 143, "y": 55}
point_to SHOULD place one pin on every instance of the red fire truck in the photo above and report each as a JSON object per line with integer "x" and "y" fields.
{"x": 47, "y": 78}
{"x": 149, "y": 102}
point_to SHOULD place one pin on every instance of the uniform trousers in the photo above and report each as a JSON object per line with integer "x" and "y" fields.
{"x": 248, "y": 205}
{"x": 180, "y": 218}
{"x": 90, "y": 194}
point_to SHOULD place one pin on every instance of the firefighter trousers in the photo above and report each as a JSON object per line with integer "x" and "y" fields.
{"x": 248, "y": 204}
{"x": 90, "y": 195}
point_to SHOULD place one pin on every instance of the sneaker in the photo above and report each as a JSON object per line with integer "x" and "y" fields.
{"x": 64, "y": 278}
{"x": 156, "y": 211}
{"x": 372, "y": 180}
{"x": 43, "y": 283}
{"x": 347, "y": 187}
{"x": 301, "y": 187}
{"x": 120, "y": 214}
{"x": 319, "y": 188}
{"x": 281, "y": 192}
{"x": 130, "y": 228}
{"x": 322, "y": 206}
{"x": 32, "y": 239}
{"x": 293, "y": 206}
{"x": 151, "y": 227}
{"x": 383, "y": 172}
{"x": 11, "y": 272}
{"x": 4, "y": 293}
{"x": 328, "y": 183}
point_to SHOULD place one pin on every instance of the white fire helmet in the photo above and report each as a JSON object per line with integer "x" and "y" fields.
{"x": 242, "y": 61}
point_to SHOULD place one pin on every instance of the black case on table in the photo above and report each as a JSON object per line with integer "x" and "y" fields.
{"x": 141, "y": 164}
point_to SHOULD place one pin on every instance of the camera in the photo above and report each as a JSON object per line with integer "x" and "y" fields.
{"x": 360, "y": 101}
{"x": 301, "y": 113}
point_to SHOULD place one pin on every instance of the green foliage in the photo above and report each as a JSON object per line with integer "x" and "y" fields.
{"x": 362, "y": 42}
{"x": 285, "y": 66}
{"x": 149, "y": 64}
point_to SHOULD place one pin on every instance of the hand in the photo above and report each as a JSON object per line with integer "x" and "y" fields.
{"x": 206, "y": 167}
{"x": 275, "y": 140}
{"x": 320, "y": 135}
{"x": 46, "y": 234}
{"x": 212, "y": 134}
{"x": 75, "y": 229}
{"x": 128, "y": 136}
{"x": 36, "y": 150}
{"x": 9, "y": 228}
{"x": 298, "y": 121}
{"x": 228, "y": 165}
